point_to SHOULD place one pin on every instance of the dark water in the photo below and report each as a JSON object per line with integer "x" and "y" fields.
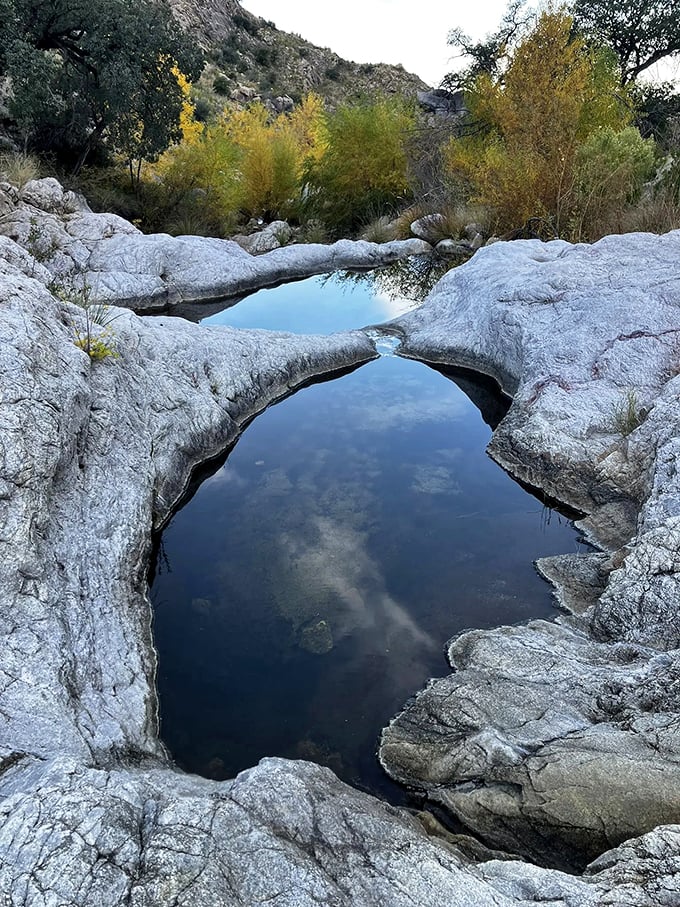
{"x": 308, "y": 589}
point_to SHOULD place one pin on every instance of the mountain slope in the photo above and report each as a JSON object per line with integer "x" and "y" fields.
{"x": 244, "y": 49}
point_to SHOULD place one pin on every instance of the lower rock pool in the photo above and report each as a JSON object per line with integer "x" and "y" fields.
{"x": 308, "y": 587}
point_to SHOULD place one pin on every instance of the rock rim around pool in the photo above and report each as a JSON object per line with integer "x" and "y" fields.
{"x": 157, "y": 272}
{"x": 93, "y": 455}
{"x": 557, "y": 740}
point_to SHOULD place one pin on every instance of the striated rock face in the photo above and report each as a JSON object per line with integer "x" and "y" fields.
{"x": 559, "y": 740}
{"x": 95, "y": 454}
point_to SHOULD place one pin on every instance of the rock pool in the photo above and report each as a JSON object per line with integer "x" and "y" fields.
{"x": 309, "y": 586}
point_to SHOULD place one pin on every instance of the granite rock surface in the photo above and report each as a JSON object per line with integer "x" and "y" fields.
{"x": 559, "y": 740}
{"x": 95, "y": 454}
{"x": 156, "y": 273}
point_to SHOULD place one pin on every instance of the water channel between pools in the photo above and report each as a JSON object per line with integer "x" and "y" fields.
{"x": 310, "y": 585}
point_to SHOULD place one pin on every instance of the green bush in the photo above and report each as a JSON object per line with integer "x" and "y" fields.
{"x": 266, "y": 56}
{"x": 199, "y": 186}
{"x": 363, "y": 170}
{"x": 611, "y": 167}
{"x": 221, "y": 84}
{"x": 247, "y": 23}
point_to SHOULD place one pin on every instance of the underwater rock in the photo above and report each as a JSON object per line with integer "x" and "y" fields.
{"x": 317, "y": 638}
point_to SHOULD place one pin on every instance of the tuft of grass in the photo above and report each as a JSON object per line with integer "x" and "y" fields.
{"x": 188, "y": 223}
{"x": 627, "y": 414}
{"x": 405, "y": 219}
{"x": 379, "y": 230}
{"x": 658, "y": 213}
{"x": 314, "y": 231}
{"x": 19, "y": 168}
{"x": 452, "y": 220}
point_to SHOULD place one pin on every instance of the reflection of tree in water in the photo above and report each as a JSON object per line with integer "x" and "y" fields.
{"x": 411, "y": 278}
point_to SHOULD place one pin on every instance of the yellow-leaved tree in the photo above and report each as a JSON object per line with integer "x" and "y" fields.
{"x": 248, "y": 163}
{"x": 189, "y": 126}
{"x": 274, "y": 153}
{"x": 521, "y": 159}
{"x": 362, "y": 171}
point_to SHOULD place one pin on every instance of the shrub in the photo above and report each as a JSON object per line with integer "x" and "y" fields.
{"x": 203, "y": 109}
{"x": 247, "y": 163}
{"x": 40, "y": 245}
{"x": 274, "y": 153}
{"x": 198, "y": 181}
{"x": 229, "y": 56}
{"x": 611, "y": 168}
{"x": 363, "y": 168}
{"x": 520, "y": 158}
{"x": 221, "y": 84}
{"x": 247, "y": 23}
{"x": 266, "y": 56}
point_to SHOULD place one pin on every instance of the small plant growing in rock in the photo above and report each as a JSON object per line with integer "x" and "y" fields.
{"x": 627, "y": 414}
{"x": 97, "y": 344}
{"x": 36, "y": 244}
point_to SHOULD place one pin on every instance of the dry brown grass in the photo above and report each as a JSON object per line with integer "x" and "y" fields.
{"x": 18, "y": 168}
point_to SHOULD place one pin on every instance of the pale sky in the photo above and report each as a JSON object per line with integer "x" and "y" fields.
{"x": 385, "y": 31}
{"x": 395, "y": 31}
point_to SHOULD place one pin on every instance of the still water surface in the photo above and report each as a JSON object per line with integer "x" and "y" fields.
{"x": 308, "y": 588}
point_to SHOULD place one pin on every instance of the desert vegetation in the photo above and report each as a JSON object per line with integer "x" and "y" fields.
{"x": 558, "y": 136}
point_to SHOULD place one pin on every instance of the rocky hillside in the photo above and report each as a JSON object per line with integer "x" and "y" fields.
{"x": 245, "y": 50}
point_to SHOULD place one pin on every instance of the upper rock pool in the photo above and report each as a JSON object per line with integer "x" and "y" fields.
{"x": 308, "y": 587}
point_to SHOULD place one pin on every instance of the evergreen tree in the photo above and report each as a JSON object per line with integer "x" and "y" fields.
{"x": 640, "y": 32}
{"x": 94, "y": 75}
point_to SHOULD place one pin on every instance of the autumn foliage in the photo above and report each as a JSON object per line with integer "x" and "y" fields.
{"x": 337, "y": 167}
{"x": 522, "y": 159}
{"x": 363, "y": 170}
{"x": 245, "y": 164}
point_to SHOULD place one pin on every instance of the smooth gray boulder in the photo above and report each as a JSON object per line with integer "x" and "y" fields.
{"x": 270, "y": 237}
{"x": 559, "y": 740}
{"x": 453, "y": 248}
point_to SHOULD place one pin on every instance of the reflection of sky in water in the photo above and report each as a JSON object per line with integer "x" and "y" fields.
{"x": 317, "y": 305}
{"x": 316, "y": 577}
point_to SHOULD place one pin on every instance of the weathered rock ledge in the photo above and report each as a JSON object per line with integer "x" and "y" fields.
{"x": 92, "y": 456}
{"x": 156, "y": 273}
{"x": 558, "y": 740}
